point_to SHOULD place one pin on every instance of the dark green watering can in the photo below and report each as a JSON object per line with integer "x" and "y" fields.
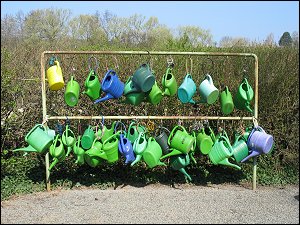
{"x": 57, "y": 151}
{"x": 244, "y": 96}
{"x": 240, "y": 148}
{"x": 179, "y": 162}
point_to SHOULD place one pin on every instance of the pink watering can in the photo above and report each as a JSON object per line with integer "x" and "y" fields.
{"x": 259, "y": 142}
{"x": 113, "y": 87}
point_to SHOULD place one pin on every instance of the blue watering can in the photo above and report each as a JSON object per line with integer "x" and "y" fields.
{"x": 113, "y": 87}
{"x": 126, "y": 149}
{"x": 187, "y": 89}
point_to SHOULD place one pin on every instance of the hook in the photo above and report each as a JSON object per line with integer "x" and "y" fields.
{"x": 212, "y": 62}
{"x": 116, "y": 62}
{"x": 170, "y": 61}
{"x": 90, "y": 61}
{"x": 186, "y": 65}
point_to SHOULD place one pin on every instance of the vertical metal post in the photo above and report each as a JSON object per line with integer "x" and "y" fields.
{"x": 48, "y": 186}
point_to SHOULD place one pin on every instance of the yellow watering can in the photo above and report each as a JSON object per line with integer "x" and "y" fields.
{"x": 54, "y": 75}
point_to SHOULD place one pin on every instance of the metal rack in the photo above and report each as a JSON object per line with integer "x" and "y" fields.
{"x": 46, "y": 117}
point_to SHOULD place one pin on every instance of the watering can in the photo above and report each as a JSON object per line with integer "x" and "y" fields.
{"x": 107, "y": 132}
{"x": 169, "y": 83}
{"x": 179, "y": 162}
{"x": 133, "y": 131}
{"x": 68, "y": 139}
{"x": 92, "y": 86}
{"x": 38, "y": 139}
{"x": 54, "y": 75}
{"x": 110, "y": 147}
{"x": 57, "y": 151}
{"x": 72, "y": 92}
{"x": 112, "y": 86}
{"x": 222, "y": 151}
{"x": 192, "y": 151}
{"x": 240, "y": 148}
{"x": 143, "y": 79}
{"x": 244, "y": 96}
{"x": 95, "y": 155}
{"x": 139, "y": 147}
{"x": 205, "y": 140}
{"x": 87, "y": 138}
{"x": 187, "y": 89}
{"x": 226, "y": 101}
{"x": 152, "y": 154}
{"x": 208, "y": 92}
{"x": 162, "y": 140}
{"x": 155, "y": 94}
{"x": 132, "y": 94}
{"x": 79, "y": 152}
{"x": 181, "y": 141}
{"x": 126, "y": 149}
{"x": 259, "y": 142}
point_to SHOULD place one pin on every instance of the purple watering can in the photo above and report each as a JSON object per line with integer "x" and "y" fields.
{"x": 259, "y": 142}
{"x": 112, "y": 86}
{"x": 126, "y": 149}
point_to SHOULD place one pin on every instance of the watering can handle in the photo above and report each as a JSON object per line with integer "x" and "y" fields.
{"x": 209, "y": 79}
{"x": 213, "y": 137}
{"x": 112, "y": 136}
{"x": 37, "y": 125}
{"x": 228, "y": 143}
{"x": 171, "y": 134}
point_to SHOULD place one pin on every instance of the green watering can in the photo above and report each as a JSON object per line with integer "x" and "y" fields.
{"x": 68, "y": 139}
{"x": 244, "y": 96}
{"x": 169, "y": 83}
{"x": 95, "y": 155}
{"x": 92, "y": 86}
{"x": 192, "y": 151}
{"x": 240, "y": 148}
{"x": 38, "y": 138}
{"x": 222, "y": 151}
{"x": 152, "y": 154}
{"x": 110, "y": 147}
{"x": 205, "y": 140}
{"x": 106, "y": 132}
{"x": 179, "y": 162}
{"x": 57, "y": 151}
{"x": 133, "y": 131}
{"x": 139, "y": 147}
{"x": 79, "y": 152}
{"x": 181, "y": 141}
{"x": 132, "y": 94}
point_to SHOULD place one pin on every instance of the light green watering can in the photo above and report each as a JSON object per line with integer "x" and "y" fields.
{"x": 133, "y": 131}
{"x": 139, "y": 147}
{"x": 106, "y": 132}
{"x": 95, "y": 155}
{"x": 110, "y": 147}
{"x": 179, "y": 162}
{"x": 193, "y": 149}
{"x": 68, "y": 139}
{"x": 169, "y": 83}
{"x": 181, "y": 140}
{"x": 38, "y": 138}
{"x": 79, "y": 152}
{"x": 152, "y": 154}
{"x": 222, "y": 151}
{"x": 92, "y": 86}
{"x": 244, "y": 96}
{"x": 57, "y": 151}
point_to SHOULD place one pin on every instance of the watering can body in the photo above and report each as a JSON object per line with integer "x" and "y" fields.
{"x": 221, "y": 152}
{"x": 72, "y": 92}
{"x": 79, "y": 152}
{"x": 87, "y": 138}
{"x": 155, "y": 94}
{"x": 186, "y": 90}
{"x": 107, "y": 132}
{"x": 240, "y": 148}
{"x": 133, "y": 131}
{"x": 181, "y": 140}
{"x": 110, "y": 147}
{"x": 243, "y": 96}
{"x": 57, "y": 151}
{"x": 205, "y": 140}
{"x": 54, "y": 76}
{"x": 133, "y": 95}
{"x": 95, "y": 155}
{"x": 143, "y": 79}
{"x": 112, "y": 86}
{"x": 208, "y": 92}
{"x": 126, "y": 149}
{"x": 68, "y": 139}
{"x": 179, "y": 163}
{"x": 92, "y": 86}
{"x": 162, "y": 140}
{"x": 38, "y": 140}
{"x": 169, "y": 83}
{"x": 226, "y": 101}
{"x": 152, "y": 153}
{"x": 139, "y": 147}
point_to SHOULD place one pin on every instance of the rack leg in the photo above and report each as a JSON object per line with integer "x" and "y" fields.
{"x": 254, "y": 174}
{"x": 47, "y": 172}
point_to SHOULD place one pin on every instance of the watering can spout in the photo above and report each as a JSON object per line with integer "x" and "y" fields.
{"x": 225, "y": 162}
{"x": 137, "y": 159}
{"x": 254, "y": 153}
{"x": 69, "y": 151}
{"x": 248, "y": 107}
{"x": 182, "y": 170}
{"x": 172, "y": 153}
{"x": 26, "y": 149}
{"x": 55, "y": 161}
{"x": 101, "y": 154}
{"x": 106, "y": 97}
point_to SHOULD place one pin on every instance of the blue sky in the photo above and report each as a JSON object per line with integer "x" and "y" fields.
{"x": 250, "y": 19}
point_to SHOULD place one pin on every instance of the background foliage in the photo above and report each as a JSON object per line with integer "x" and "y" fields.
{"x": 25, "y": 37}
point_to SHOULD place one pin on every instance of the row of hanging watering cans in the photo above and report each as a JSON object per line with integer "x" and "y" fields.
{"x": 142, "y": 87}
{"x": 97, "y": 146}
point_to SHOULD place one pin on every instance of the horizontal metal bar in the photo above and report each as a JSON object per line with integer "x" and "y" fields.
{"x": 152, "y": 53}
{"x": 149, "y": 117}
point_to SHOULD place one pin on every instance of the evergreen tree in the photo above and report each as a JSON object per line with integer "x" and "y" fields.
{"x": 286, "y": 39}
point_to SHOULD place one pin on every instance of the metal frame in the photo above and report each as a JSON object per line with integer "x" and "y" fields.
{"x": 46, "y": 117}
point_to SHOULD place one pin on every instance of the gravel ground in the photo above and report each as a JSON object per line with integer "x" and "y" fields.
{"x": 157, "y": 204}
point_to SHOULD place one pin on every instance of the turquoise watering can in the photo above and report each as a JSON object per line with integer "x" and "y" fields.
{"x": 208, "y": 92}
{"x": 179, "y": 162}
{"x": 187, "y": 89}
{"x": 139, "y": 147}
{"x": 133, "y": 131}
